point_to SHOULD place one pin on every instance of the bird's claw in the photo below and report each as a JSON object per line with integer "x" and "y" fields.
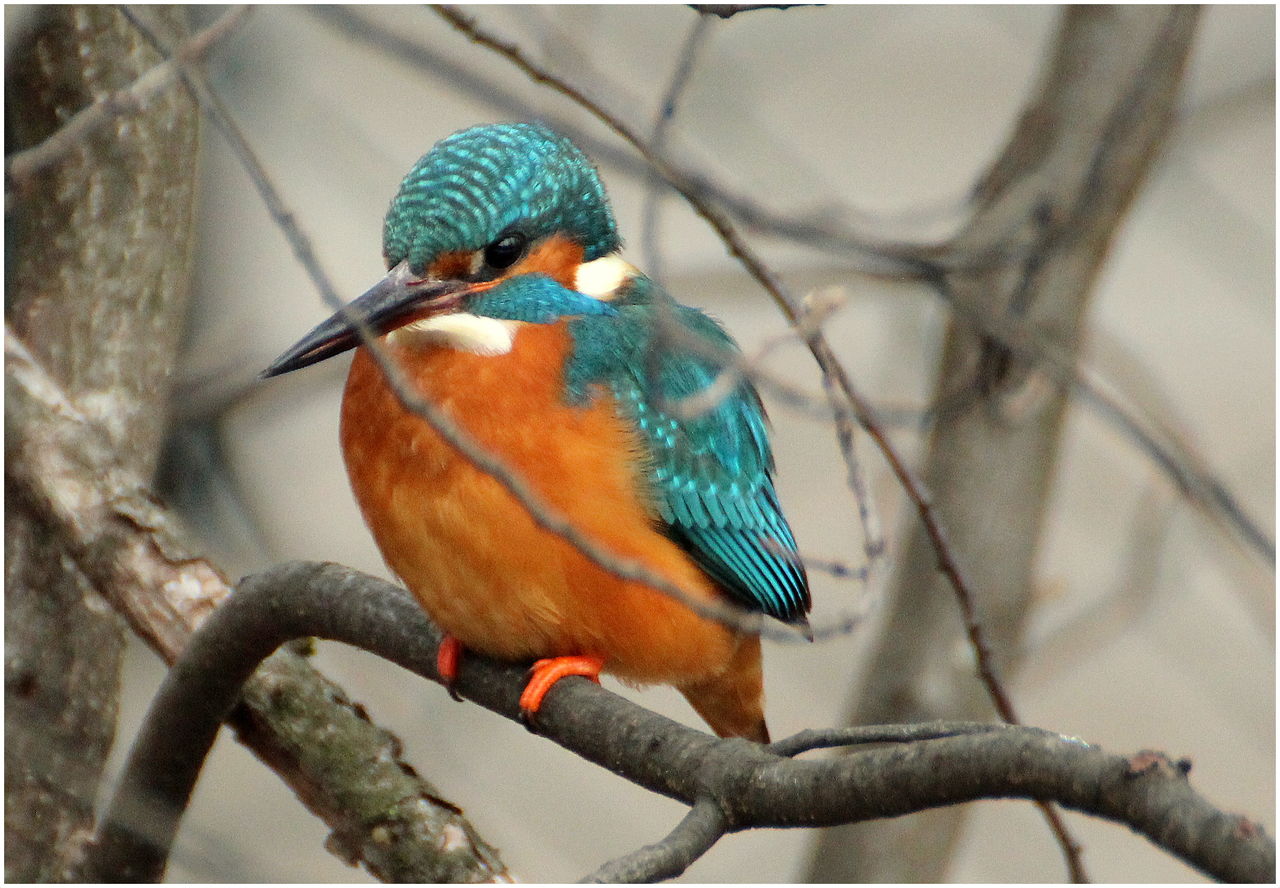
{"x": 544, "y": 674}
{"x": 448, "y": 659}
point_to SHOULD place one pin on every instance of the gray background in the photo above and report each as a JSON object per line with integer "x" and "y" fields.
{"x": 1153, "y": 628}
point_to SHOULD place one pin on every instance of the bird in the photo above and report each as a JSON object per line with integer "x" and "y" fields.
{"x": 508, "y": 305}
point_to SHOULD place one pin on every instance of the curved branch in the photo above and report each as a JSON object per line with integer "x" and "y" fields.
{"x": 693, "y": 836}
{"x": 752, "y": 785}
{"x": 127, "y": 546}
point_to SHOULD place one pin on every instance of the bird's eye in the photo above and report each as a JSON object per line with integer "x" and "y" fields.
{"x": 505, "y": 251}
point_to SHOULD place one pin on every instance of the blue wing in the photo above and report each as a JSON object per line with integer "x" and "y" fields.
{"x": 711, "y": 475}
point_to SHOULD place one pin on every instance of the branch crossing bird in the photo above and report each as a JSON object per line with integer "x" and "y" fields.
{"x": 508, "y": 306}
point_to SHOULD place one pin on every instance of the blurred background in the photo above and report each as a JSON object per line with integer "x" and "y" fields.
{"x": 1153, "y": 627}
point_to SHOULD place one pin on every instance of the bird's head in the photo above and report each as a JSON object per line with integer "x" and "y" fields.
{"x": 495, "y": 221}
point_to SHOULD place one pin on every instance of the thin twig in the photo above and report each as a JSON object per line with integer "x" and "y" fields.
{"x": 661, "y": 127}
{"x": 729, "y": 10}
{"x": 701, "y": 828}
{"x": 833, "y": 373}
{"x": 22, "y": 165}
{"x": 830, "y": 566}
{"x": 1194, "y": 482}
{"x": 893, "y": 260}
{"x": 723, "y": 611}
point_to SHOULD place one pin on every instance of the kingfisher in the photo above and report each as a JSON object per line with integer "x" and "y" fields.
{"x": 508, "y": 306}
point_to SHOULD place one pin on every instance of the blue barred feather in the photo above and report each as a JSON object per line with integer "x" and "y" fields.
{"x": 711, "y": 475}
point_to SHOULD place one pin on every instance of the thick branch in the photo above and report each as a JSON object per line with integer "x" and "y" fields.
{"x": 382, "y": 813}
{"x": 96, "y": 284}
{"x": 751, "y": 785}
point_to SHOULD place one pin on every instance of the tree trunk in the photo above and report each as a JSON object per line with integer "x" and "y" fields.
{"x": 99, "y": 260}
{"x": 1051, "y": 204}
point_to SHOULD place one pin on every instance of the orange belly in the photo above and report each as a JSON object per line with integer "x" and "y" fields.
{"x": 480, "y": 566}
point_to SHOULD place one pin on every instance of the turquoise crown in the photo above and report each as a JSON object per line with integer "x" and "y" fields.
{"x": 480, "y": 183}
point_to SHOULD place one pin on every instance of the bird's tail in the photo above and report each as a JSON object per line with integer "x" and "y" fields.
{"x": 732, "y": 703}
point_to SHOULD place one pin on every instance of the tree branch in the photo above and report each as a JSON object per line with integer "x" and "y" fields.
{"x": 872, "y": 257}
{"x": 96, "y": 281}
{"x": 750, "y": 784}
{"x": 382, "y": 813}
{"x": 693, "y": 836}
{"x": 21, "y": 166}
{"x": 729, "y": 10}
{"x": 1082, "y": 145}
{"x": 544, "y": 515}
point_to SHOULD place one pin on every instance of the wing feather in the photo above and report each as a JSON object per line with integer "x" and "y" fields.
{"x": 710, "y": 475}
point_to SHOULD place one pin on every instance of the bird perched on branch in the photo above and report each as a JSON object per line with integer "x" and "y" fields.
{"x": 507, "y": 306}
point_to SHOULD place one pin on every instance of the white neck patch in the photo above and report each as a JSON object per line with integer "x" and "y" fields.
{"x": 462, "y": 332}
{"x": 601, "y": 278}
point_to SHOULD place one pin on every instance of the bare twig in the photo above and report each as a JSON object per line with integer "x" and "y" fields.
{"x": 729, "y": 10}
{"x": 661, "y": 126}
{"x": 22, "y": 165}
{"x": 693, "y": 837}
{"x": 546, "y": 517}
{"x": 874, "y": 257}
{"x": 822, "y": 351}
{"x": 751, "y": 785}
{"x": 1192, "y": 479}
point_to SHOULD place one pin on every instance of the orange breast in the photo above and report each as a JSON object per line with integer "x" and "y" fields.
{"x": 483, "y": 570}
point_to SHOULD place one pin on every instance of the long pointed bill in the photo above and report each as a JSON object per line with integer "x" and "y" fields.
{"x": 397, "y": 299}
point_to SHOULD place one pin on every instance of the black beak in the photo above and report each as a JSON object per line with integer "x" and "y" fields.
{"x": 392, "y": 302}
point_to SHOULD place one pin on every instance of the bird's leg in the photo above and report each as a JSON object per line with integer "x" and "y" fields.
{"x": 447, "y": 659}
{"x": 545, "y": 673}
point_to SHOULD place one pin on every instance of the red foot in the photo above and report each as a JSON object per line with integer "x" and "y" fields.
{"x": 447, "y": 660}
{"x": 546, "y": 673}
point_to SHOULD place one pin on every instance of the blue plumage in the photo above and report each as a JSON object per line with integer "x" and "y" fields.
{"x": 536, "y": 299}
{"x": 510, "y": 223}
{"x": 711, "y": 475}
{"x": 480, "y": 182}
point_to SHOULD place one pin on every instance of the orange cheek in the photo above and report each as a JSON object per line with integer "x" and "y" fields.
{"x": 557, "y": 257}
{"x": 449, "y": 266}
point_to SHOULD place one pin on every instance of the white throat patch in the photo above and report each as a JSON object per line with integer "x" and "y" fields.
{"x": 601, "y": 278}
{"x": 461, "y": 331}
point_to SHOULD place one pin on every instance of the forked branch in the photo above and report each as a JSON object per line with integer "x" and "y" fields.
{"x": 750, "y": 785}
